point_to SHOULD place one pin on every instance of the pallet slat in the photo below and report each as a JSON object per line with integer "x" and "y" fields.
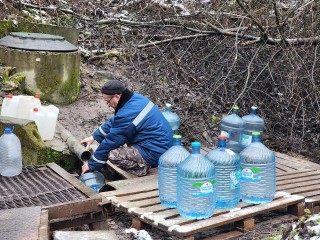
{"x": 236, "y": 215}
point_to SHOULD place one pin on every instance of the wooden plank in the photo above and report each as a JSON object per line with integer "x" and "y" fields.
{"x": 166, "y": 224}
{"x": 299, "y": 185}
{"x": 284, "y": 168}
{"x": 108, "y": 196}
{"x": 136, "y": 182}
{"x": 307, "y": 178}
{"x": 155, "y": 217}
{"x": 121, "y": 172}
{"x": 148, "y": 210}
{"x": 311, "y": 194}
{"x": 231, "y": 217}
{"x": 138, "y": 196}
{"x": 144, "y": 203}
{"x": 295, "y": 174}
{"x": 279, "y": 171}
{"x": 301, "y": 190}
{"x": 296, "y": 162}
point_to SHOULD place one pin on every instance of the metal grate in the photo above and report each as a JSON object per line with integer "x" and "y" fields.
{"x": 36, "y": 186}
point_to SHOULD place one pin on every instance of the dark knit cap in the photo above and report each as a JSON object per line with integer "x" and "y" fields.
{"x": 113, "y": 87}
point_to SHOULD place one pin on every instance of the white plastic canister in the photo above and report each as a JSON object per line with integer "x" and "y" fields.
{"x": 39, "y": 118}
{"x": 51, "y": 115}
{"x": 10, "y": 106}
{"x": 26, "y": 103}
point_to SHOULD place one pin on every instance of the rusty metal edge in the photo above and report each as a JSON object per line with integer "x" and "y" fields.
{"x": 44, "y": 225}
{"x": 72, "y": 180}
{"x": 74, "y": 208}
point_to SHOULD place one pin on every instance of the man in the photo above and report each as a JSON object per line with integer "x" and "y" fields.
{"x": 134, "y": 138}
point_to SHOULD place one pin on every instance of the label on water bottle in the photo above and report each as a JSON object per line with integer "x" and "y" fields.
{"x": 246, "y": 140}
{"x": 250, "y": 174}
{"x": 224, "y": 133}
{"x": 205, "y": 188}
{"x": 234, "y": 179}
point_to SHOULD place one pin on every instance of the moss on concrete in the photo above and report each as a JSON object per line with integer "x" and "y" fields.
{"x": 34, "y": 151}
{"x": 55, "y": 76}
{"x": 71, "y": 88}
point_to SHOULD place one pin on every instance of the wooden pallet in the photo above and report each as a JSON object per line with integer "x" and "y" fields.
{"x": 297, "y": 184}
{"x": 303, "y": 182}
{"x": 144, "y": 207}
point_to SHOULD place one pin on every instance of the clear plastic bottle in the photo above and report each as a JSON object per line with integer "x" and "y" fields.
{"x": 227, "y": 164}
{"x": 172, "y": 118}
{"x": 167, "y": 172}
{"x": 10, "y": 154}
{"x": 258, "y": 172}
{"x": 232, "y": 127}
{"x": 253, "y": 123}
{"x": 196, "y": 192}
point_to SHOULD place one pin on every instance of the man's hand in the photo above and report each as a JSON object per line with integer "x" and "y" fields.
{"x": 87, "y": 141}
{"x": 85, "y": 168}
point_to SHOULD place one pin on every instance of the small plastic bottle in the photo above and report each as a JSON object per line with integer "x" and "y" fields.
{"x": 196, "y": 192}
{"x": 172, "y": 118}
{"x": 10, "y": 154}
{"x": 232, "y": 127}
{"x": 167, "y": 172}
{"x": 253, "y": 123}
{"x": 227, "y": 164}
{"x": 258, "y": 172}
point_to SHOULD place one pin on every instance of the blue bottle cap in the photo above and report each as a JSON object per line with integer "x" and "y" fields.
{"x": 7, "y": 130}
{"x": 195, "y": 144}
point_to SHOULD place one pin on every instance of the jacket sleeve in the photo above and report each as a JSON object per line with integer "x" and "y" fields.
{"x": 103, "y": 130}
{"x": 118, "y": 135}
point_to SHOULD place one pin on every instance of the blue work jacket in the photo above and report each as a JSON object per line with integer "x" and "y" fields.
{"x": 147, "y": 130}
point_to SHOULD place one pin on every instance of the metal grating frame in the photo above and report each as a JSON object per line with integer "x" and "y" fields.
{"x": 36, "y": 186}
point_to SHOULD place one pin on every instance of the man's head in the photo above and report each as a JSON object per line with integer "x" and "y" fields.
{"x": 111, "y": 92}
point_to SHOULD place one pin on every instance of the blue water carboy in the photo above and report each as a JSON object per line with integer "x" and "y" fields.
{"x": 232, "y": 127}
{"x": 252, "y": 123}
{"x": 196, "y": 188}
{"x": 227, "y": 164}
{"x": 258, "y": 172}
{"x": 167, "y": 172}
{"x": 10, "y": 154}
{"x": 171, "y": 117}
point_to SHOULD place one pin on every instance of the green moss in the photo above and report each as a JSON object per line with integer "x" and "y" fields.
{"x": 17, "y": 81}
{"x": 7, "y": 72}
{"x": 70, "y": 89}
{"x": 34, "y": 151}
